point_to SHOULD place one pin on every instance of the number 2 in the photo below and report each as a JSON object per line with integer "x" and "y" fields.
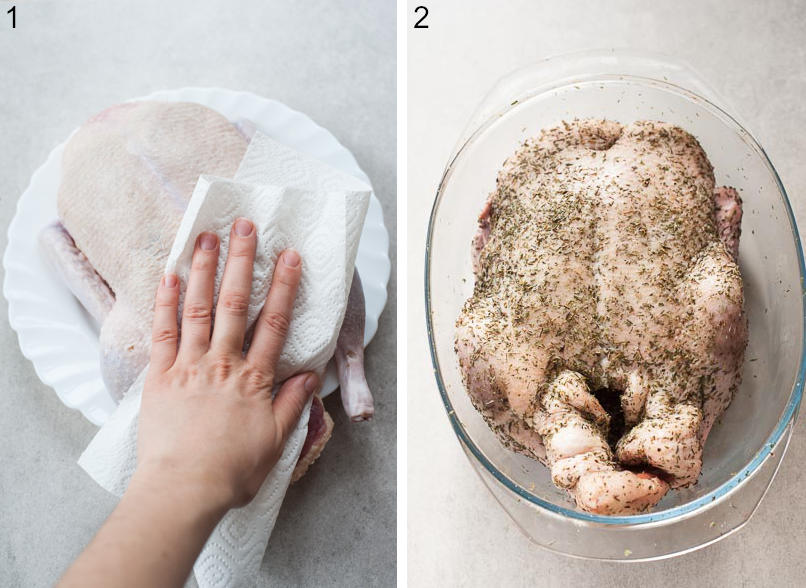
{"x": 418, "y": 24}
{"x": 13, "y": 12}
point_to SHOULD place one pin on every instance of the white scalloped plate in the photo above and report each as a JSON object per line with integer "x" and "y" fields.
{"x": 57, "y": 335}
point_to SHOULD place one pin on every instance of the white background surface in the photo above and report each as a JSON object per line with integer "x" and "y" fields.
{"x": 333, "y": 60}
{"x": 754, "y": 54}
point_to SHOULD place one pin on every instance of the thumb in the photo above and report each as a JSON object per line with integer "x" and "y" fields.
{"x": 290, "y": 401}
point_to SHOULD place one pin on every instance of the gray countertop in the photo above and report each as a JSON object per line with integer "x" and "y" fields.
{"x": 333, "y": 60}
{"x": 754, "y": 54}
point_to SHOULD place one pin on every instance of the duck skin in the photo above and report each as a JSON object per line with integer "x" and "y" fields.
{"x": 606, "y": 260}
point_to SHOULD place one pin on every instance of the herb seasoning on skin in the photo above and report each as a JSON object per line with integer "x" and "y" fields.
{"x": 606, "y": 259}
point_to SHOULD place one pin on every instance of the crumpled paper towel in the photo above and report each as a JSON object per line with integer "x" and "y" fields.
{"x": 295, "y": 201}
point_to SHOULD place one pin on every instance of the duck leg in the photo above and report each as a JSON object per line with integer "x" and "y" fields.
{"x": 355, "y": 394}
{"x": 574, "y": 427}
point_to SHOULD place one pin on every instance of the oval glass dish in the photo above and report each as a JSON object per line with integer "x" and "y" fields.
{"x": 748, "y": 442}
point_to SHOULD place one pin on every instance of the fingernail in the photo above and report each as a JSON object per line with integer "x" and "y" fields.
{"x": 243, "y": 228}
{"x": 311, "y": 383}
{"x": 170, "y": 280}
{"x": 208, "y": 241}
{"x": 291, "y": 258}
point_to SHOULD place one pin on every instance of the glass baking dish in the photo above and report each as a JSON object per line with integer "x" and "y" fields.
{"x": 746, "y": 446}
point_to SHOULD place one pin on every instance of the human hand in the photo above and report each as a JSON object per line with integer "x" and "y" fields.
{"x": 208, "y": 422}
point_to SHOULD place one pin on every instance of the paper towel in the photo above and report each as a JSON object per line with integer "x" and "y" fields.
{"x": 295, "y": 201}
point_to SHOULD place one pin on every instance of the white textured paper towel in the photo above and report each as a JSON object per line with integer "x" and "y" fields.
{"x": 294, "y": 201}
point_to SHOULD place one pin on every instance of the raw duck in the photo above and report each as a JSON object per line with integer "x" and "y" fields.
{"x": 606, "y": 268}
{"x": 127, "y": 176}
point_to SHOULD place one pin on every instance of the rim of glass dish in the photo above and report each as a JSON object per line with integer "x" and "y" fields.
{"x": 790, "y": 411}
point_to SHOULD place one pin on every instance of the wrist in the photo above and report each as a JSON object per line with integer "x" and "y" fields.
{"x": 153, "y": 536}
{"x": 197, "y": 501}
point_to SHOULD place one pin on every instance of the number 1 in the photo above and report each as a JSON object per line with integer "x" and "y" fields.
{"x": 13, "y": 12}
